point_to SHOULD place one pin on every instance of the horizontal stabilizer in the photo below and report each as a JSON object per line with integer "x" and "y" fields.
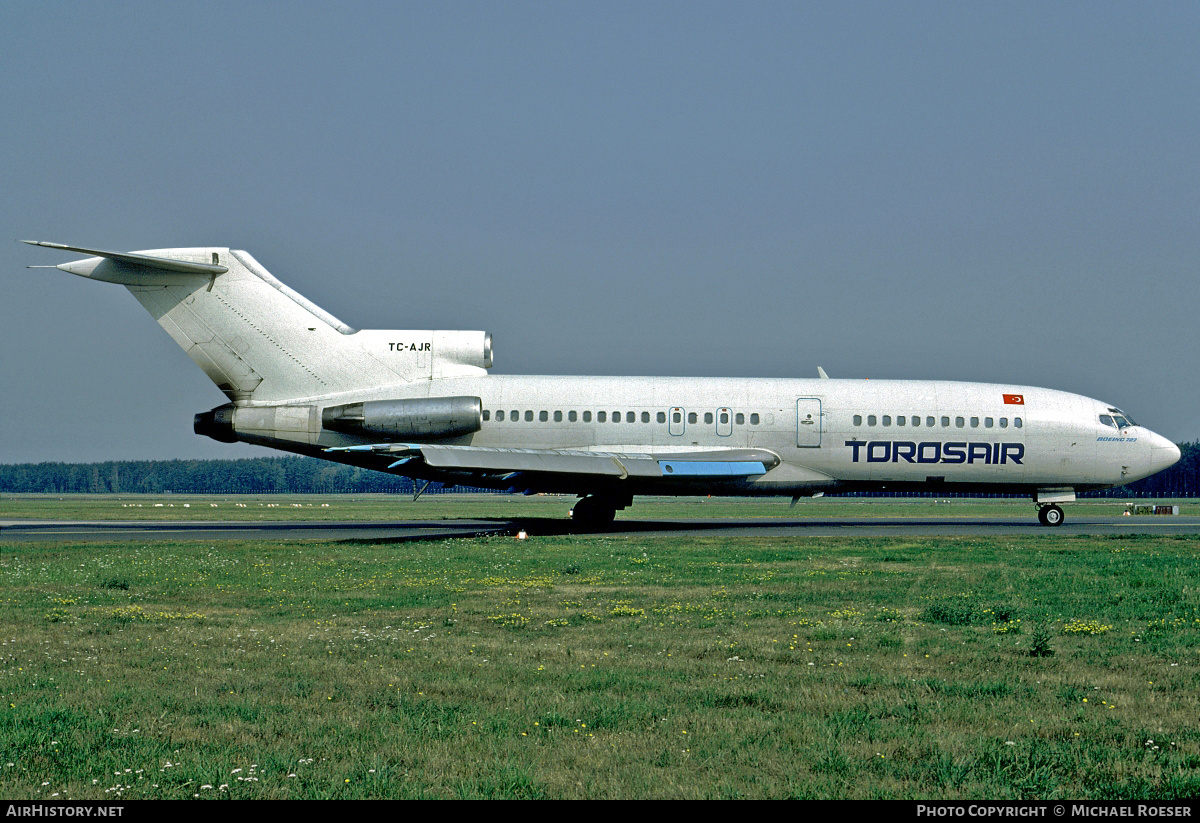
{"x": 129, "y": 258}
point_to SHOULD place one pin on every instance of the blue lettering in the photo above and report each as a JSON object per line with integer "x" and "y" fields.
{"x": 954, "y": 453}
{"x": 1012, "y": 451}
{"x": 893, "y": 451}
{"x": 887, "y": 451}
{"x": 982, "y": 451}
{"x": 924, "y": 457}
{"x": 903, "y": 449}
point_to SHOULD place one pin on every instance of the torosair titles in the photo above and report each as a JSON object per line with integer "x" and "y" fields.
{"x": 893, "y": 451}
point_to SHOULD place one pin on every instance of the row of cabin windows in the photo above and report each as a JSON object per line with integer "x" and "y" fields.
{"x": 931, "y": 421}
{"x": 629, "y": 417}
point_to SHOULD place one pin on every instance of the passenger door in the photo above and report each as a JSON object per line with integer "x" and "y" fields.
{"x": 808, "y": 422}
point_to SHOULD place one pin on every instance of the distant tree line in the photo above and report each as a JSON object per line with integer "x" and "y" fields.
{"x": 307, "y": 475}
{"x": 258, "y": 475}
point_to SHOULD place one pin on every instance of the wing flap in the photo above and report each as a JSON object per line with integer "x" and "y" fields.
{"x": 728, "y": 463}
{"x": 533, "y": 460}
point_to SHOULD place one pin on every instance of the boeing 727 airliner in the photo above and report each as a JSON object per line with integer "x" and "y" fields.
{"x": 421, "y": 404}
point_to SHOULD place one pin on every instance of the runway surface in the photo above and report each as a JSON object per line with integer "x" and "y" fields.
{"x": 402, "y": 530}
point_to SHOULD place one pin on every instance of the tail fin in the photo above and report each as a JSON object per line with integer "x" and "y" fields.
{"x": 260, "y": 341}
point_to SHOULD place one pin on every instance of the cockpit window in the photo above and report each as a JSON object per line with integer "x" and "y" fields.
{"x": 1122, "y": 420}
{"x": 1107, "y": 420}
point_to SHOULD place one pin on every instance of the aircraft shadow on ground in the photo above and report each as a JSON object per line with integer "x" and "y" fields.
{"x": 548, "y": 526}
{"x": 559, "y": 527}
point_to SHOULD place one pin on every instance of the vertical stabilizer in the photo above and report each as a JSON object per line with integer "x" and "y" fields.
{"x": 261, "y": 342}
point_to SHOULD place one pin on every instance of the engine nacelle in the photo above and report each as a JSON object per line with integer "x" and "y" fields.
{"x": 217, "y": 424}
{"x": 470, "y": 348}
{"x": 419, "y": 418}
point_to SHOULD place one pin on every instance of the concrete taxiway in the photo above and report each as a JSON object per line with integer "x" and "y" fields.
{"x": 402, "y": 530}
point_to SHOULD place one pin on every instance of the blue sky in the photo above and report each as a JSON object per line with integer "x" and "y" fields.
{"x": 1003, "y": 192}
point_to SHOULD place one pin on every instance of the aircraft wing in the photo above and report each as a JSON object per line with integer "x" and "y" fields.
{"x": 498, "y": 462}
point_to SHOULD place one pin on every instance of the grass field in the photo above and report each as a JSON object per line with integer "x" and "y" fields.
{"x": 602, "y": 666}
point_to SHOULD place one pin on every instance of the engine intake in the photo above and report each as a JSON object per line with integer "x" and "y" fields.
{"x": 419, "y": 418}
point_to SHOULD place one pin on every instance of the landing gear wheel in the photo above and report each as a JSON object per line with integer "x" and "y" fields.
{"x": 1050, "y": 516}
{"x": 594, "y": 512}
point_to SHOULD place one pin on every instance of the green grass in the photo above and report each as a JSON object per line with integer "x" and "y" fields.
{"x": 602, "y": 666}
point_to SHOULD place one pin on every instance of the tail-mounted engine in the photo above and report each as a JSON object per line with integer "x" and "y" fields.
{"x": 420, "y": 418}
{"x": 217, "y": 424}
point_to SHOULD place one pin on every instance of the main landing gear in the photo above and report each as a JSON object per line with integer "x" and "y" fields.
{"x": 597, "y": 511}
{"x": 1050, "y": 515}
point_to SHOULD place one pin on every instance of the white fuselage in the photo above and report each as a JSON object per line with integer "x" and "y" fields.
{"x": 827, "y": 433}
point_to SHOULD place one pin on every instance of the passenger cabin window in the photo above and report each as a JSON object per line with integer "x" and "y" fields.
{"x": 945, "y": 422}
{"x": 529, "y": 417}
{"x": 740, "y": 419}
{"x": 974, "y": 422}
{"x": 1017, "y": 423}
{"x": 754, "y": 419}
{"x": 691, "y": 417}
{"x": 887, "y": 420}
{"x": 601, "y": 417}
{"x": 630, "y": 417}
{"x": 901, "y": 420}
{"x": 959, "y": 422}
{"x": 571, "y": 416}
{"x": 858, "y": 419}
{"x": 870, "y": 420}
{"x": 661, "y": 417}
{"x": 486, "y": 415}
{"x": 543, "y": 416}
{"x": 929, "y": 421}
{"x": 587, "y": 417}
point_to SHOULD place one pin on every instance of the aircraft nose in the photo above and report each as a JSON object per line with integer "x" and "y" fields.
{"x": 1163, "y": 453}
